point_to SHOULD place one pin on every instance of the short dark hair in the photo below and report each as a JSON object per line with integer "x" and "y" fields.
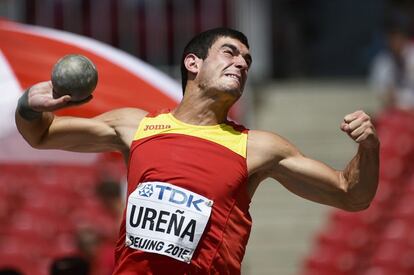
{"x": 201, "y": 43}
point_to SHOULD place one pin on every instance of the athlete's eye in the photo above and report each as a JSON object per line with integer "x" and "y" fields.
{"x": 228, "y": 52}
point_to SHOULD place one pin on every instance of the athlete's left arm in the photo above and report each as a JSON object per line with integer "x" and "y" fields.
{"x": 351, "y": 189}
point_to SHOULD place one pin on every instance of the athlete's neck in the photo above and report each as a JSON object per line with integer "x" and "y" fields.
{"x": 200, "y": 109}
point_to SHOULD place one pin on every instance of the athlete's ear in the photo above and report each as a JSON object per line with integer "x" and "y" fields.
{"x": 192, "y": 63}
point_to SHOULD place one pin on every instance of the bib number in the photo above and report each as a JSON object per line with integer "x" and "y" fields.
{"x": 166, "y": 219}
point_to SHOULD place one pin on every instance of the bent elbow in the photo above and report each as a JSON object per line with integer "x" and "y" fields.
{"x": 354, "y": 199}
{"x": 36, "y": 143}
{"x": 32, "y": 142}
{"x": 352, "y": 204}
{"x": 37, "y": 146}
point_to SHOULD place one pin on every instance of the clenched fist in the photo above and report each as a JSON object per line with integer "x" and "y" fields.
{"x": 359, "y": 127}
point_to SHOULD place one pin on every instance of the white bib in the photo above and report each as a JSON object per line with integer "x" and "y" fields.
{"x": 166, "y": 219}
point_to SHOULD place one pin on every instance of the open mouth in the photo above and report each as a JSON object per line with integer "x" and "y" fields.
{"x": 234, "y": 76}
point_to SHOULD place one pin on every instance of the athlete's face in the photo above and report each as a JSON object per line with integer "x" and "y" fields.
{"x": 225, "y": 67}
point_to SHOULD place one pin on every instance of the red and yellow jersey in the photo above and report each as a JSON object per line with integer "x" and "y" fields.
{"x": 187, "y": 209}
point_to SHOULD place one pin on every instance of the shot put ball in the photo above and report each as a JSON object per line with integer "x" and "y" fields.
{"x": 74, "y": 75}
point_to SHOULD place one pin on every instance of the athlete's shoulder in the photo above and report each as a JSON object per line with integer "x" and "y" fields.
{"x": 124, "y": 112}
{"x": 272, "y": 145}
{"x": 129, "y": 111}
{"x": 122, "y": 116}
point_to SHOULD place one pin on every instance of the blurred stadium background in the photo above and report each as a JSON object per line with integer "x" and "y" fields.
{"x": 311, "y": 63}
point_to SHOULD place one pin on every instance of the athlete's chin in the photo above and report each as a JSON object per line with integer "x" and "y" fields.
{"x": 234, "y": 93}
{"x": 237, "y": 92}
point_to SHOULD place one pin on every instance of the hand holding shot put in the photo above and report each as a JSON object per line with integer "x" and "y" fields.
{"x": 73, "y": 79}
{"x": 195, "y": 151}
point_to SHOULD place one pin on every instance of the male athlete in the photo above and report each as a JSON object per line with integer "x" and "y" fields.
{"x": 191, "y": 172}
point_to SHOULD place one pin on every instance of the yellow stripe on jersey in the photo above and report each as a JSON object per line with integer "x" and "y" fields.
{"x": 222, "y": 134}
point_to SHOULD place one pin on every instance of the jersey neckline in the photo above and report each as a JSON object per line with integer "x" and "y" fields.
{"x": 176, "y": 120}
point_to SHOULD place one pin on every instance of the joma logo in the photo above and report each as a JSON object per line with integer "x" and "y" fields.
{"x": 157, "y": 127}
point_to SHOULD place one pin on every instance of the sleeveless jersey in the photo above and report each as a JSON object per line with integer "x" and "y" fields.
{"x": 187, "y": 209}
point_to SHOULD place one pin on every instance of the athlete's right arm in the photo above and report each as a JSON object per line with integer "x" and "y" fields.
{"x": 111, "y": 131}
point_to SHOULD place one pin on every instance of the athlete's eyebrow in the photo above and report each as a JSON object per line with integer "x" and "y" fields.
{"x": 247, "y": 57}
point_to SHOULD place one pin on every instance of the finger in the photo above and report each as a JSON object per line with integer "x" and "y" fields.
{"x": 350, "y": 117}
{"x": 358, "y": 131}
{"x": 344, "y": 127}
{"x": 362, "y": 137}
{"x": 57, "y": 103}
{"x": 355, "y": 124}
{"x": 83, "y": 101}
{"x": 63, "y": 99}
{"x": 77, "y": 103}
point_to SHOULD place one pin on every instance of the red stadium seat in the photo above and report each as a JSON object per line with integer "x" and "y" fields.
{"x": 22, "y": 264}
{"x": 404, "y": 209}
{"x": 328, "y": 259}
{"x": 383, "y": 270}
{"x": 394, "y": 255}
{"x": 345, "y": 235}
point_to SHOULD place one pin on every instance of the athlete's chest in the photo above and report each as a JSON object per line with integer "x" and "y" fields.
{"x": 188, "y": 162}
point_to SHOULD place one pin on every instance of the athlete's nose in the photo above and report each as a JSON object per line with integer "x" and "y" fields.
{"x": 241, "y": 62}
